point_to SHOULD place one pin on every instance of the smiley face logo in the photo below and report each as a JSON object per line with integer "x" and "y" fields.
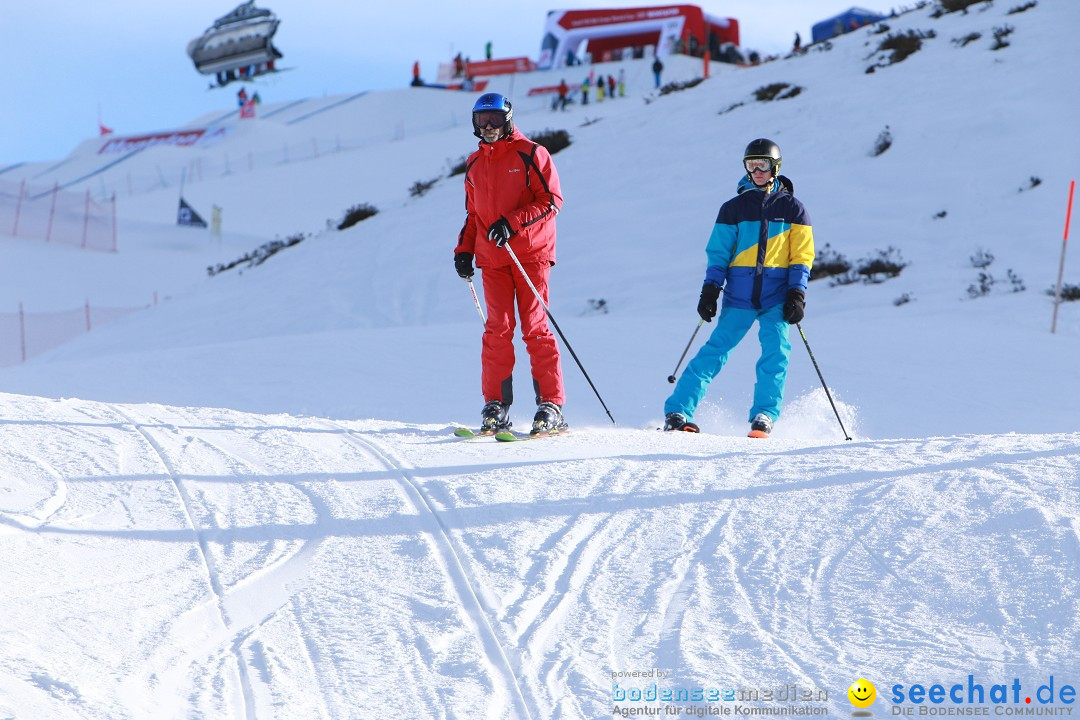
{"x": 862, "y": 693}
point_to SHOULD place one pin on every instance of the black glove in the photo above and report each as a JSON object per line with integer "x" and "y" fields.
{"x": 463, "y": 265}
{"x": 500, "y": 232}
{"x": 706, "y": 306}
{"x": 794, "y": 306}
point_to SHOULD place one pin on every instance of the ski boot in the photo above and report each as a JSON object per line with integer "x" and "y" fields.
{"x": 548, "y": 420}
{"x": 495, "y": 417}
{"x": 760, "y": 426}
{"x": 678, "y": 421}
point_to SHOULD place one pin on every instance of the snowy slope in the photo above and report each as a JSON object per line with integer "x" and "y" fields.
{"x": 642, "y": 185}
{"x": 197, "y": 562}
{"x": 245, "y": 502}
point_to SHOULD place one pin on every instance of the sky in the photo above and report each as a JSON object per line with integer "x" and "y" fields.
{"x": 69, "y": 63}
{"x": 247, "y": 502}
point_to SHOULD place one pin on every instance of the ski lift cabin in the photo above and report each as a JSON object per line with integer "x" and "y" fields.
{"x": 237, "y": 46}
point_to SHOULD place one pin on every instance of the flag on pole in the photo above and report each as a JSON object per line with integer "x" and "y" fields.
{"x": 187, "y": 216}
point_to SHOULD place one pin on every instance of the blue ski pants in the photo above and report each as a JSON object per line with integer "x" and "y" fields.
{"x": 731, "y": 327}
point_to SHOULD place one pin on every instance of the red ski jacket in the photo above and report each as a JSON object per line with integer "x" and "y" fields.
{"x": 513, "y": 178}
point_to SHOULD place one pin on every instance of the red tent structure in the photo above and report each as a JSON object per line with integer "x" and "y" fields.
{"x": 668, "y": 28}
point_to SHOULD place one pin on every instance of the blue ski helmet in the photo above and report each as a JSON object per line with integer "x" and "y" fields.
{"x": 494, "y": 102}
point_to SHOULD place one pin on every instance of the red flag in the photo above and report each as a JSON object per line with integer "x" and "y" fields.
{"x": 247, "y": 110}
{"x": 104, "y": 130}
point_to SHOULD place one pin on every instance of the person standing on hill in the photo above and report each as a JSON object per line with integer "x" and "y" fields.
{"x": 657, "y": 68}
{"x": 760, "y": 254}
{"x": 512, "y": 195}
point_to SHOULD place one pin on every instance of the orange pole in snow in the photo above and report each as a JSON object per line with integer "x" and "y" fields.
{"x": 1061, "y": 265}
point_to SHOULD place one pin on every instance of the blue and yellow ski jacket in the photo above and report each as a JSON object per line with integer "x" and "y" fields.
{"x": 761, "y": 246}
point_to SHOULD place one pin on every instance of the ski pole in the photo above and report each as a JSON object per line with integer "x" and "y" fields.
{"x": 558, "y": 330}
{"x": 671, "y": 377}
{"x": 476, "y": 300}
{"x": 827, "y": 393}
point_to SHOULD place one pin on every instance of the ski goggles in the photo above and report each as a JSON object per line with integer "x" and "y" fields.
{"x": 763, "y": 164}
{"x": 493, "y": 118}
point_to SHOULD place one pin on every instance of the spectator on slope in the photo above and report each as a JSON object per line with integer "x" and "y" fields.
{"x": 564, "y": 91}
{"x": 512, "y": 195}
{"x": 760, "y": 253}
{"x": 657, "y": 68}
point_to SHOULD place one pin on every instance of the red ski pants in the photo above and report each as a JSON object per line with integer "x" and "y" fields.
{"x": 503, "y": 286}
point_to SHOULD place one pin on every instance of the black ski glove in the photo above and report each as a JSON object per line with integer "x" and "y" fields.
{"x": 706, "y": 306}
{"x": 794, "y": 306}
{"x": 463, "y": 265}
{"x": 500, "y": 232}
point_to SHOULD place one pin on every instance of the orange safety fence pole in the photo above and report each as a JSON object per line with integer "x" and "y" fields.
{"x": 1061, "y": 265}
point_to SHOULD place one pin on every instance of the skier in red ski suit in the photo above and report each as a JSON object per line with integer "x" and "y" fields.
{"x": 512, "y": 196}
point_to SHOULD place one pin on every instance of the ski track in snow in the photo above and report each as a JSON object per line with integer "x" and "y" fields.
{"x": 212, "y": 575}
{"x": 258, "y": 596}
{"x": 794, "y": 596}
{"x": 534, "y": 570}
{"x": 457, "y": 573}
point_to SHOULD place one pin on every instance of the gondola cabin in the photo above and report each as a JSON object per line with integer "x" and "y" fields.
{"x": 238, "y": 45}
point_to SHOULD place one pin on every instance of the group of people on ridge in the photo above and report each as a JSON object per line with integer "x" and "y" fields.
{"x": 613, "y": 88}
{"x": 759, "y": 255}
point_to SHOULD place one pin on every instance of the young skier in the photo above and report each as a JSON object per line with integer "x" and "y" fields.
{"x": 512, "y": 196}
{"x": 760, "y": 253}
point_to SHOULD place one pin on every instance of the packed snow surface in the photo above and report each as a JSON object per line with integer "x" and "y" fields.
{"x": 246, "y": 501}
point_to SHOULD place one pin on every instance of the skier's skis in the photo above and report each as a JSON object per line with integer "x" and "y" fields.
{"x": 464, "y": 433}
{"x": 507, "y": 436}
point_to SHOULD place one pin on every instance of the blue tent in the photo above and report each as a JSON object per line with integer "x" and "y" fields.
{"x": 844, "y": 22}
